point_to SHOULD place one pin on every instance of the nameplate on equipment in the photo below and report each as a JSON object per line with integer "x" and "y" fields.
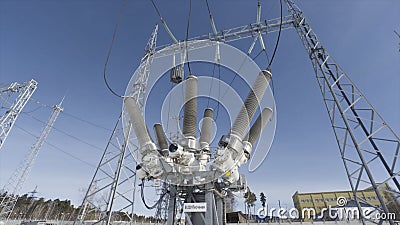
{"x": 195, "y": 207}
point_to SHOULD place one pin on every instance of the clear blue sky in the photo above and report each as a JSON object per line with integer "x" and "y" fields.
{"x": 63, "y": 46}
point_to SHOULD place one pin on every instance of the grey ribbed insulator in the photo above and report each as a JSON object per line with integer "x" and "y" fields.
{"x": 258, "y": 126}
{"x": 253, "y": 99}
{"x": 137, "y": 121}
{"x": 190, "y": 107}
{"x": 176, "y": 75}
{"x": 206, "y": 126}
{"x": 160, "y": 136}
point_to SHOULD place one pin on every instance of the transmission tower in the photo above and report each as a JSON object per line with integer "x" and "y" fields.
{"x": 398, "y": 35}
{"x": 8, "y": 119}
{"x": 115, "y": 177}
{"x": 17, "y": 180}
{"x": 368, "y": 146}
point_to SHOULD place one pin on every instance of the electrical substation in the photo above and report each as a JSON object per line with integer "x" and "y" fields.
{"x": 191, "y": 168}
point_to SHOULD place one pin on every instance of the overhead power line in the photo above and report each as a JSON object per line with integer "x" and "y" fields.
{"x": 67, "y": 134}
{"x": 56, "y": 147}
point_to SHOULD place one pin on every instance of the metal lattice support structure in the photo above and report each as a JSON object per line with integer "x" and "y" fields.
{"x": 368, "y": 146}
{"x": 8, "y": 119}
{"x": 111, "y": 192}
{"x": 141, "y": 82}
{"x": 162, "y": 207}
{"x": 17, "y": 180}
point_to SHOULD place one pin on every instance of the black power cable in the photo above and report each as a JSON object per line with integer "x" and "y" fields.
{"x": 144, "y": 201}
{"x": 279, "y": 35}
{"x": 110, "y": 47}
{"x": 187, "y": 36}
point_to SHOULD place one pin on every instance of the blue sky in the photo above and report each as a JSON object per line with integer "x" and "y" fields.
{"x": 63, "y": 46}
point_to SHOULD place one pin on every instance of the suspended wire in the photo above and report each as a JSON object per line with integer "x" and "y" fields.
{"x": 65, "y": 133}
{"x": 219, "y": 91}
{"x": 258, "y": 54}
{"x": 34, "y": 110}
{"x": 169, "y": 109}
{"x": 279, "y": 35}
{"x": 55, "y": 147}
{"x": 85, "y": 121}
{"x": 212, "y": 82}
{"x": 110, "y": 47}
{"x": 187, "y": 36}
{"x": 212, "y": 21}
{"x": 208, "y": 8}
{"x": 68, "y": 114}
{"x": 219, "y": 66}
{"x": 164, "y": 23}
{"x": 144, "y": 201}
{"x": 272, "y": 86}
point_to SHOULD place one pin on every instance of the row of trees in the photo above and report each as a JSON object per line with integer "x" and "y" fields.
{"x": 30, "y": 208}
{"x": 250, "y": 200}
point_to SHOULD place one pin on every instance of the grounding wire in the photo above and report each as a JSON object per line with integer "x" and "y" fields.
{"x": 110, "y": 47}
{"x": 56, "y": 147}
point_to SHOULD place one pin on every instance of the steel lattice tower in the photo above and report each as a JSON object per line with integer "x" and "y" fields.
{"x": 8, "y": 119}
{"x": 368, "y": 146}
{"x": 17, "y": 180}
{"x": 111, "y": 192}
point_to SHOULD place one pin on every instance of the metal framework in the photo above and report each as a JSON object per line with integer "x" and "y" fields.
{"x": 110, "y": 195}
{"x": 162, "y": 207}
{"x": 368, "y": 146}
{"x": 111, "y": 192}
{"x": 144, "y": 69}
{"x": 17, "y": 180}
{"x": 8, "y": 119}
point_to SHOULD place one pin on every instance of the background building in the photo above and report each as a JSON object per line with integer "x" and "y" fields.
{"x": 320, "y": 200}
